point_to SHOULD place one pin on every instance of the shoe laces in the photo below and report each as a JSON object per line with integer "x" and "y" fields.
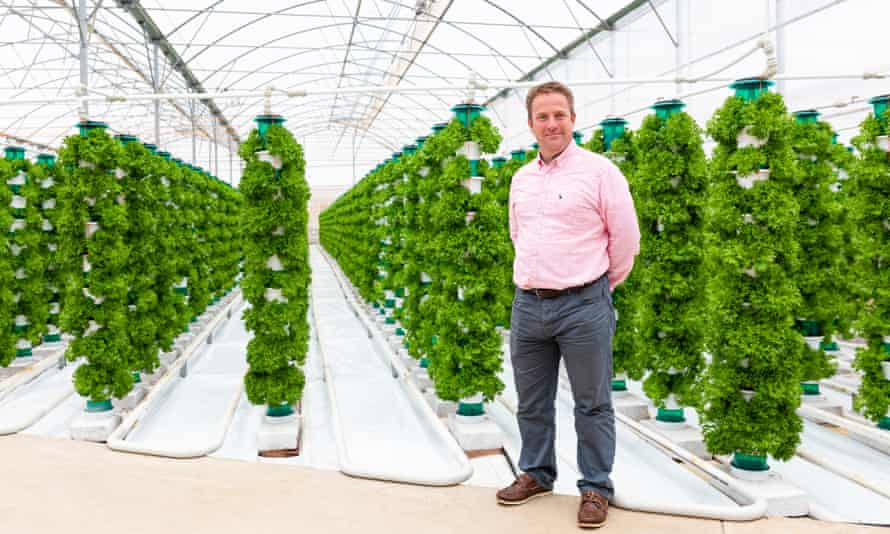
{"x": 593, "y": 498}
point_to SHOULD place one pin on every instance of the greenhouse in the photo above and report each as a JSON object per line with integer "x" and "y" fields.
{"x": 329, "y": 265}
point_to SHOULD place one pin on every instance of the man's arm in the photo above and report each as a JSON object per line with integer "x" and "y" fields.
{"x": 511, "y": 217}
{"x": 620, "y": 219}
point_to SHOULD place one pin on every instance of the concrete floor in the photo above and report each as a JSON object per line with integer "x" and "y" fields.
{"x": 67, "y": 487}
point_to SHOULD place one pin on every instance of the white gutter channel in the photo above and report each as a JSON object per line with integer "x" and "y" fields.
{"x": 755, "y": 508}
{"x": 466, "y": 469}
{"x": 32, "y": 372}
{"x": 877, "y": 438}
{"x": 40, "y": 370}
{"x": 117, "y": 440}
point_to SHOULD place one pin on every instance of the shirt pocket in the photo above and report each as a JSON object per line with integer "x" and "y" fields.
{"x": 526, "y": 203}
{"x": 568, "y": 208}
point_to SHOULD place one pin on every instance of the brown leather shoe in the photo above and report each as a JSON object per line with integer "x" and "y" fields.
{"x": 592, "y": 511}
{"x": 522, "y": 490}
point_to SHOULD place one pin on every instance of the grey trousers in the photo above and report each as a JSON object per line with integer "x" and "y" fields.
{"x": 578, "y": 327}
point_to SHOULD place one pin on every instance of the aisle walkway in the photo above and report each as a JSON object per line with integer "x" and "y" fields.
{"x": 66, "y": 487}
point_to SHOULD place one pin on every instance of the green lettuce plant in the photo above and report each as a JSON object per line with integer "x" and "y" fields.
{"x": 95, "y": 312}
{"x": 464, "y": 256}
{"x": 751, "y": 387}
{"x": 669, "y": 189}
{"x": 821, "y": 229}
{"x": 50, "y": 178}
{"x": 626, "y": 355}
{"x": 275, "y": 221}
{"x": 29, "y": 259}
{"x": 869, "y": 209}
{"x": 7, "y": 295}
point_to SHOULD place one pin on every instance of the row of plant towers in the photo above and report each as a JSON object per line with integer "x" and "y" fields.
{"x": 740, "y": 255}
{"x": 122, "y": 247}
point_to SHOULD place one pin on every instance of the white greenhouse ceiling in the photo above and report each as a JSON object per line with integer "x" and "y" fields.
{"x": 137, "y": 47}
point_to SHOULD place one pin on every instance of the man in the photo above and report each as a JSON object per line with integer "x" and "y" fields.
{"x": 575, "y": 231}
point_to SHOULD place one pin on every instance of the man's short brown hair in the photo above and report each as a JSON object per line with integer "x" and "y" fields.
{"x": 547, "y": 88}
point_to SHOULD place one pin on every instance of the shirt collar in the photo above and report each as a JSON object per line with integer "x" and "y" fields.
{"x": 560, "y": 158}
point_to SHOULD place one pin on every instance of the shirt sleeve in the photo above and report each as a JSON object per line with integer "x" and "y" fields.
{"x": 621, "y": 225}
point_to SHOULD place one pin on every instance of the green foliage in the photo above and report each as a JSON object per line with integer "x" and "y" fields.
{"x": 7, "y": 294}
{"x": 822, "y": 231}
{"x": 421, "y": 207}
{"x": 49, "y": 180}
{"x": 869, "y": 209}
{"x": 99, "y": 327}
{"x": 749, "y": 331}
{"x": 626, "y": 355}
{"x": 275, "y": 222}
{"x": 669, "y": 188}
{"x": 467, "y": 357}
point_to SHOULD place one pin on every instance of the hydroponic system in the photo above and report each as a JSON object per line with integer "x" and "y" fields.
{"x": 287, "y": 236}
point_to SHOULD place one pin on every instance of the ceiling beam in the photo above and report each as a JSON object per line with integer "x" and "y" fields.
{"x": 605, "y": 26}
{"x": 155, "y": 35}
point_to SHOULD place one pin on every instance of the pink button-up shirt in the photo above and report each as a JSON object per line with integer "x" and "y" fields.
{"x": 571, "y": 220}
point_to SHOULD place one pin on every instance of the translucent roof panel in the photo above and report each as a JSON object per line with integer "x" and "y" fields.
{"x": 434, "y": 46}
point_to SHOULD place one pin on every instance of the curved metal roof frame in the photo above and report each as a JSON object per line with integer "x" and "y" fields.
{"x": 266, "y": 83}
{"x": 335, "y": 25}
{"x": 359, "y": 44}
{"x": 251, "y": 23}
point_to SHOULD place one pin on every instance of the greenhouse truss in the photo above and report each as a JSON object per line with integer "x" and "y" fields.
{"x": 279, "y": 232}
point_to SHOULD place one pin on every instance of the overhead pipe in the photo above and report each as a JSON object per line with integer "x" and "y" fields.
{"x": 471, "y": 86}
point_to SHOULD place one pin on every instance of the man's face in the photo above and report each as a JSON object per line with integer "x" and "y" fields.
{"x": 552, "y": 122}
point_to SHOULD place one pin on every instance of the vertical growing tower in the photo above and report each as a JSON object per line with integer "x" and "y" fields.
{"x": 751, "y": 387}
{"x": 276, "y": 265}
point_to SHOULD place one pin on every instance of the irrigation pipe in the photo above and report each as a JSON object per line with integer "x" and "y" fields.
{"x": 470, "y": 87}
{"x": 466, "y": 469}
{"x": 117, "y": 440}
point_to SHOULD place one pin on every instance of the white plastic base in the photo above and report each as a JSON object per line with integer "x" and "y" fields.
{"x": 682, "y": 434}
{"x": 94, "y": 426}
{"x": 442, "y": 408}
{"x": 628, "y": 404}
{"x": 279, "y": 433}
{"x": 153, "y": 378}
{"x": 782, "y": 499}
{"x": 133, "y": 398}
{"x": 480, "y": 434}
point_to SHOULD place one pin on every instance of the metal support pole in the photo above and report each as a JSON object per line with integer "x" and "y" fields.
{"x": 682, "y": 51}
{"x": 84, "y": 54}
{"x": 231, "y": 164}
{"x": 215, "y": 150}
{"x": 194, "y": 132}
{"x": 156, "y": 82}
{"x": 780, "y": 42}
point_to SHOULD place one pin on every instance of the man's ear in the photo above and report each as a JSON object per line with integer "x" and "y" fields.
{"x": 573, "y": 117}
{"x": 530, "y": 124}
